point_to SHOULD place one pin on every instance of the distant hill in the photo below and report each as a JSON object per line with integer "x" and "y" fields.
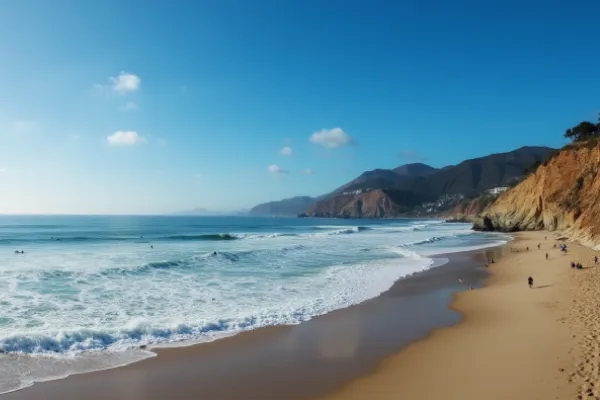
{"x": 287, "y": 207}
{"x": 442, "y": 188}
{"x": 411, "y": 184}
{"x": 378, "y": 203}
{"x": 384, "y": 178}
{"x": 414, "y": 170}
{"x": 472, "y": 177}
{"x": 375, "y": 179}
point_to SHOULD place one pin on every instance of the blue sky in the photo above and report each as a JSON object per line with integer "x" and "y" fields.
{"x": 152, "y": 107}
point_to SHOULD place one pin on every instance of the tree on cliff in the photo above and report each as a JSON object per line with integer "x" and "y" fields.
{"x": 584, "y": 131}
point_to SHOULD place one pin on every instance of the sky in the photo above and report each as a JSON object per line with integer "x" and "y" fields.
{"x": 135, "y": 107}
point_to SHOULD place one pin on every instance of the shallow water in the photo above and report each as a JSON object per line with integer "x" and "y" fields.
{"x": 89, "y": 291}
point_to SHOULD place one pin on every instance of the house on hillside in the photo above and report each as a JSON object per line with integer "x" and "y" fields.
{"x": 497, "y": 190}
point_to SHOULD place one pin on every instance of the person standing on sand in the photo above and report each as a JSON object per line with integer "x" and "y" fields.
{"x": 539, "y": 246}
{"x": 546, "y": 256}
{"x": 530, "y": 282}
{"x": 595, "y": 259}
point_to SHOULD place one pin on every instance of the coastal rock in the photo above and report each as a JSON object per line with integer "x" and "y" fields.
{"x": 562, "y": 194}
{"x": 468, "y": 210}
{"x": 379, "y": 203}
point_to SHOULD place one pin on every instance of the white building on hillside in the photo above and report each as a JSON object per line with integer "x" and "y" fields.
{"x": 497, "y": 190}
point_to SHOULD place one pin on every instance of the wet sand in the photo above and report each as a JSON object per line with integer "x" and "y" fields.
{"x": 514, "y": 343}
{"x": 289, "y": 362}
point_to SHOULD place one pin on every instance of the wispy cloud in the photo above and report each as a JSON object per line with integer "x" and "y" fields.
{"x": 276, "y": 170}
{"x": 331, "y": 138}
{"x": 125, "y": 82}
{"x": 3, "y": 171}
{"x": 308, "y": 171}
{"x": 125, "y": 138}
{"x": 129, "y": 106}
{"x": 286, "y": 151}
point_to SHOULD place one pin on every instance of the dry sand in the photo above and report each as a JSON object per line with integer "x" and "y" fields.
{"x": 514, "y": 343}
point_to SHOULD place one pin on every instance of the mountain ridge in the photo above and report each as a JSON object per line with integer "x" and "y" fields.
{"x": 465, "y": 180}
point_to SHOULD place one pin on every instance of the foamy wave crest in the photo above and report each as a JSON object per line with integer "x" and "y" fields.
{"x": 90, "y": 340}
{"x": 346, "y": 285}
{"x": 347, "y": 231}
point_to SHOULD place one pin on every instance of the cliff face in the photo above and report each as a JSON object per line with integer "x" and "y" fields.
{"x": 380, "y": 203}
{"x": 563, "y": 194}
{"x": 467, "y": 211}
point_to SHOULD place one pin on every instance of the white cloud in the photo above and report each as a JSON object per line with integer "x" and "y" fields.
{"x": 286, "y": 151}
{"x": 125, "y": 83}
{"x": 129, "y": 106}
{"x": 125, "y": 138}
{"x": 3, "y": 171}
{"x": 309, "y": 171}
{"x": 331, "y": 138}
{"x": 276, "y": 170}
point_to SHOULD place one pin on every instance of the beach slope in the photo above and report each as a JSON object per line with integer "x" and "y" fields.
{"x": 514, "y": 343}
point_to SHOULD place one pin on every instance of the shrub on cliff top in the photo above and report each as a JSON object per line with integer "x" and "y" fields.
{"x": 584, "y": 131}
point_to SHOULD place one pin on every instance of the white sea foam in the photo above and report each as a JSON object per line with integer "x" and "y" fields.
{"x": 91, "y": 305}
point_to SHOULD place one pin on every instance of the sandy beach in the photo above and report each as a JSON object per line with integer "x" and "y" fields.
{"x": 514, "y": 342}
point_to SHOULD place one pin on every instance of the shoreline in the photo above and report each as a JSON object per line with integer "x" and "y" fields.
{"x": 512, "y": 343}
{"x": 204, "y": 356}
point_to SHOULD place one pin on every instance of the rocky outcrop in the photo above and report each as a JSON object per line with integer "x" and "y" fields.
{"x": 562, "y": 194}
{"x": 468, "y": 210}
{"x": 379, "y": 203}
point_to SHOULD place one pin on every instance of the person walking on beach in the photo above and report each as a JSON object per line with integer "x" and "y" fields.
{"x": 546, "y": 256}
{"x": 530, "y": 282}
{"x": 539, "y": 246}
{"x": 595, "y": 259}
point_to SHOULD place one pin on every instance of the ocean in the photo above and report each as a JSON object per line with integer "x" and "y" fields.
{"x": 95, "y": 292}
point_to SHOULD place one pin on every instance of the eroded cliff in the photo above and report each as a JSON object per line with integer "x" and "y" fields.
{"x": 379, "y": 203}
{"x": 562, "y": 194}
{"x": 468, "y": 210}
